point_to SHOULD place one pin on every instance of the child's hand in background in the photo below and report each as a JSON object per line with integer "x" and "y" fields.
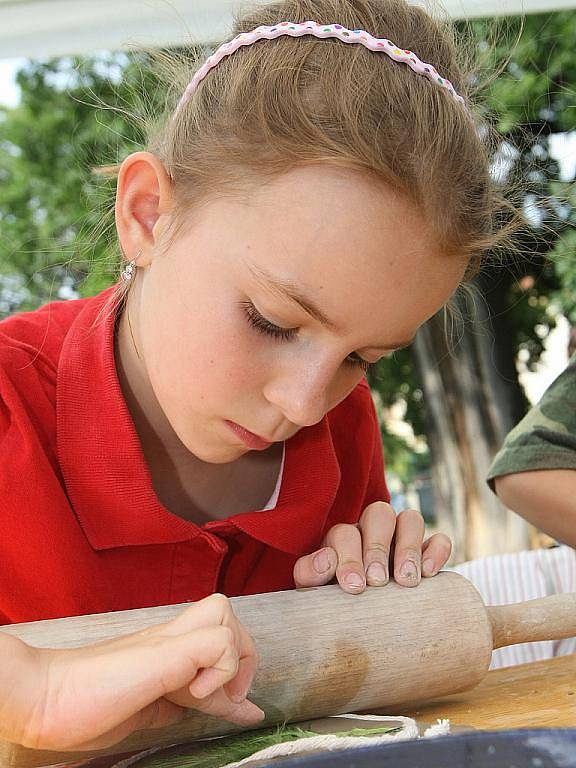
{"x": 94, "y": 696}
{"x": 380, "y": 545}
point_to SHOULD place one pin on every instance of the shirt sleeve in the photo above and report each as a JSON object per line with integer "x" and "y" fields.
{"x": 546, "y": 436}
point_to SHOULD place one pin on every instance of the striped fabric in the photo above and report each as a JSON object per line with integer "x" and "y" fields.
{"x": 503, "y": 579}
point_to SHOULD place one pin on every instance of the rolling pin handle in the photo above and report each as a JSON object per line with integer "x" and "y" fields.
{"x": 548, "y": 618}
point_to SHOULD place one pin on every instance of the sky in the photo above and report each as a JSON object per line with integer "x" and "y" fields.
{"x": 563, "y": 149}
{"x": 9, "y": 92}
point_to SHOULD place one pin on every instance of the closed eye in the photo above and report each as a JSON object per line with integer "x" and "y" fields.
{"x": 264, "y": 326}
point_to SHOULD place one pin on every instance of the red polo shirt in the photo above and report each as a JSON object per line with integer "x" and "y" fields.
{"x": 82, "y": 530}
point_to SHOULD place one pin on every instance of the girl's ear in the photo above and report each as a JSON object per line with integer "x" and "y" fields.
{"x": 143, "y": 196}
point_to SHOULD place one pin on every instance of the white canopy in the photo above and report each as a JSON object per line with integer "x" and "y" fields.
{"x": 42, "y": 28}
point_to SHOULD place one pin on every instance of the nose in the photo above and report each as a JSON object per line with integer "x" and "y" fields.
{"x": 302, "y": 395}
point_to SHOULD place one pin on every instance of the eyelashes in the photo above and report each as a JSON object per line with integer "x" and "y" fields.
{"x": 267, "y": 328}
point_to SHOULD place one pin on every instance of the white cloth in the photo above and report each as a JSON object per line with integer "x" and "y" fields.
{"x": 514, "y": 578}
{"x": 273, "y": 500}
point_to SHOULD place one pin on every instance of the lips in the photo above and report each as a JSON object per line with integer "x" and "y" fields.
{"x": 249, "y": 438}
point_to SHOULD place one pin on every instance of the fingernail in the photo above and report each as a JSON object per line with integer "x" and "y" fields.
{"x": 428, "y": 568}
{"x": 249, "y": 713}
{"x": 259, "y": 713}
{"x": 376, "y": 573}
{"x": 354, "y": 581}
{"x": 409, "y": 571}
{"x": 322, "y": 562}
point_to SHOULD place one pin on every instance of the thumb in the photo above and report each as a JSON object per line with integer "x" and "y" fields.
{"x": 316, "y": 569}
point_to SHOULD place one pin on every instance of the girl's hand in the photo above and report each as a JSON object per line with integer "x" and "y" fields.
{"x": 368, "y": 552}
{"x": 95, "y": 696}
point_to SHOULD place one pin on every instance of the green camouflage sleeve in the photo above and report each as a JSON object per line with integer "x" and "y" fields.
{"x": 546, "y": 436}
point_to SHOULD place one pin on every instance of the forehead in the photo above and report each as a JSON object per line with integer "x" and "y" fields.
{"x": 342, "y": 218}
{"x": 356, "y": 245}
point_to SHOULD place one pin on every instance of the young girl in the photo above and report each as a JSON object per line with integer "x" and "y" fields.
{"x": 317, "y": 194}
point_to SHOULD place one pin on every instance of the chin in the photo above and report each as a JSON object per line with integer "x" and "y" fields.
{"x": 224, "y": 455}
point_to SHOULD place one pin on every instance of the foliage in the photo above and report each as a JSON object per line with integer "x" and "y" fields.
{"x": 563, "y": 258}
{"x": 394, "y": 382}
{"x": 532, "y": 103}
{"x": 55, "y": 213}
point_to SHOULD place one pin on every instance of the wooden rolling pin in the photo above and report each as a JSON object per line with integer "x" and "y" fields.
{"x": 324, "y": 652}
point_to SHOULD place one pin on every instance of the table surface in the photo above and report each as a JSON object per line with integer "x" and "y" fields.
{"x": 538, "y": 695}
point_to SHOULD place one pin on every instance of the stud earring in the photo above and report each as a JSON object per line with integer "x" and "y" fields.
{"x": 128, "y": 271}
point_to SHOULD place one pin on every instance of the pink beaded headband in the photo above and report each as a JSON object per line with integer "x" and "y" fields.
{"x": 322, "y": 31}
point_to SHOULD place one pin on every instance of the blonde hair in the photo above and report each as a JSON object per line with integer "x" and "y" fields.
{"x": 275, "y": 105}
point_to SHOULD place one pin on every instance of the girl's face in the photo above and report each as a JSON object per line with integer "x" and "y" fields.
{"x": 265, "y": 313}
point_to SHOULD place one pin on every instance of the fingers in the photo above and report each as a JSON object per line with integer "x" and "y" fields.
{"x": 219, "y": 663}
{"x": 220, "y": 688}
{"x": 343, "y": 559}
{"x": 377, "y": 526}
{"x": 361, "y": 554}
{"x": 435, "y": 554}
{"x": 226, "y": 658}
{"x": 216, "y": 655}
{"x": 218, "y": 704}
{"x": 408, "y": 548}
{"x": 217, "y": 610}
{"x": 211, "y": 611}
{"x": 356, "y": 555}
{"x": 98, "y": 694}
{"x": 363, "y": 551}
{"x": 346, "y": 541}
{"x": 316, "y": 569}
{"x": 237, "y": 688}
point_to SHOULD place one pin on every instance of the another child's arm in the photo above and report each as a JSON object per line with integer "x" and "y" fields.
{"x": 365, "y": 553}
{"x": 534, "y": 473}
{"x": 94, "y": 696}
{"x": 546, "y": 498}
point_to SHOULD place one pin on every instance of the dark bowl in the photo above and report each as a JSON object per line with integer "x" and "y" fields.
{"x": 526, "y": 748}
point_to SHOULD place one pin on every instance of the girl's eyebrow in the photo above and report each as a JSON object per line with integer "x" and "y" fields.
{"x": 287, "y": 289}
{"x": 290, "y": 290}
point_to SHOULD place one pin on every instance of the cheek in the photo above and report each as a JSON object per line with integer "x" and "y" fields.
{"x": 199, "y": 356}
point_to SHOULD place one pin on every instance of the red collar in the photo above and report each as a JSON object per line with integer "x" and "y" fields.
{"x": 107, "y": 478}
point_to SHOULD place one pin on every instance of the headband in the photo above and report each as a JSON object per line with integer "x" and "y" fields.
{"x": 321, "y": 31}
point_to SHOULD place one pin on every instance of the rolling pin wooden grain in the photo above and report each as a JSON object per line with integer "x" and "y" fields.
{"x": 324, "y": 652}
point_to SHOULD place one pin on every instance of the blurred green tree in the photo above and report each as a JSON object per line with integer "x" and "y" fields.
{"x": 471, "y": 392}
{"x": 55, "y": 213}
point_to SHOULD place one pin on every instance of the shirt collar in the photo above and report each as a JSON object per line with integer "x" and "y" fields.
{"x": 309, "y": 486}
{"x": 105, "y": 471}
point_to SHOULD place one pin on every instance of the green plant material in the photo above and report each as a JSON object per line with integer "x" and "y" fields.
{"x": 75, "y": 114}
{"x": 216, "y": 753}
